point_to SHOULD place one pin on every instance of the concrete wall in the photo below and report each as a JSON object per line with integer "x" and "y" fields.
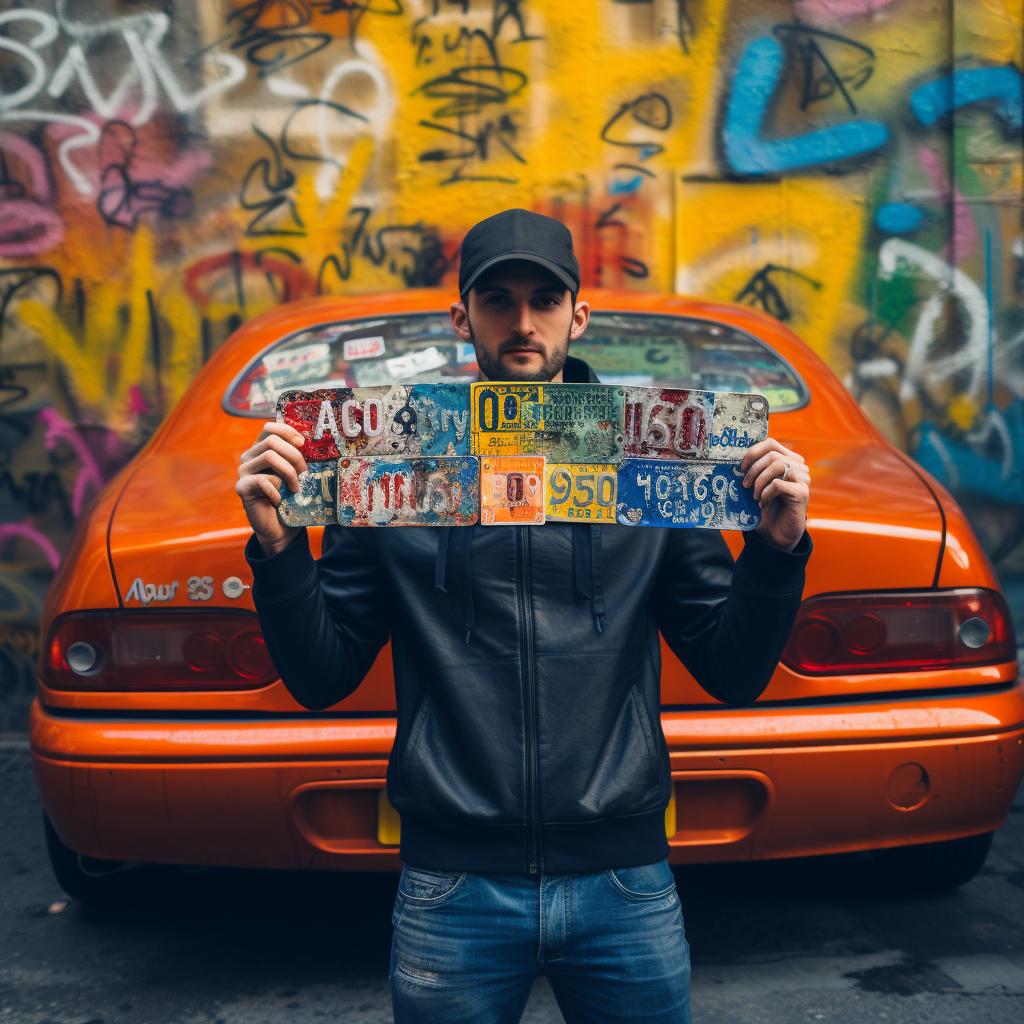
{"x": 173, "y": 167}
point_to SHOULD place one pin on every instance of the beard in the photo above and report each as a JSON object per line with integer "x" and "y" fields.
{"x": 492, "y": 367}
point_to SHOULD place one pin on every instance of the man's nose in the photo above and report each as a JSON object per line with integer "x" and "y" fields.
{"x": 523, "y": 325}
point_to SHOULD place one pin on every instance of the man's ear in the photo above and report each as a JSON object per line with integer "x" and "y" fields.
{"x": 580, "y": 319}
{"x": 460, "y": 319}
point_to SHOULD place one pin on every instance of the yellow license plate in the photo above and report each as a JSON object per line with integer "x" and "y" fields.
{"x": 581, "y": 493}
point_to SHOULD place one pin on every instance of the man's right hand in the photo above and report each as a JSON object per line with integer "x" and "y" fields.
{"x": 274, "y": 457}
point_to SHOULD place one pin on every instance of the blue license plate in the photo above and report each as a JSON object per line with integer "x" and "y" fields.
{"x": 701, "y": 495}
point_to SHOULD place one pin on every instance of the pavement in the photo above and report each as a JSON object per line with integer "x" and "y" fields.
{"x": 772, "y": 943}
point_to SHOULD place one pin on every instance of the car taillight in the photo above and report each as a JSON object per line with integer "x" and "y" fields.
{"x": 900, "y": 632}
{"x": 156, "y": 650}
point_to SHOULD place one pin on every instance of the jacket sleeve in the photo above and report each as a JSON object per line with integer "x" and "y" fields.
{"x": 324, "y": 621}
{"x": 727, "y": 622}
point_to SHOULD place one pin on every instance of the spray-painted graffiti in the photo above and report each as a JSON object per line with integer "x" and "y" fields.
{"x": 169, "y": 170}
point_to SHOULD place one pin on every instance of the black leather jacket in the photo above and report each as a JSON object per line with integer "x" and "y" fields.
{"x": 527, "y": 671}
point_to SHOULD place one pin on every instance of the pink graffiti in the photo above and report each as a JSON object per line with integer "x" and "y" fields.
{"x": 136, "y": 402}
{"x": 825, "y": 9}
{"x": 32, "y": 534}
{"x": 27, "y": 228}
{"x": 964, "y": 233}
{"x": 143, "y": 154}
{"x": 90, "y": 475}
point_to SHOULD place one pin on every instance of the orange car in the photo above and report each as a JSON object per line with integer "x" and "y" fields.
{"x": 161, "y": 733}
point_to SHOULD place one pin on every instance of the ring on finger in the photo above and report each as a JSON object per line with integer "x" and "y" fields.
{"x": 785, "y": 472}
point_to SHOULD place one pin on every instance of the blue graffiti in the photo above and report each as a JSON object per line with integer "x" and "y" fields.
{"x": 755, "y": 82}
{"x": 959, "y": 466}
{"x": 625, "y": 187}
{"x": 898, "y": 218}
{"x": 932, "y": 101}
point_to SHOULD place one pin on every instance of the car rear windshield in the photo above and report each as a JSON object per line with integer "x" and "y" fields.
{"x": 623, "y": 348}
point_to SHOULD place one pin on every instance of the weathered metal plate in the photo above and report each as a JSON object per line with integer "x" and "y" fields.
{"x": 512, "y": 490}
{"x": 351, "y": 421}
{"x": 740, "y": 420}
{"x": 399, "y": 420}
{"x": 705, "y": 495}
{"x": 408, "y": 492}
{"x": 567, "y": 423}
{"x": 442, "y": 418}
{"x": 667, "y": 423}
{"x": 584, "y": 492}
{"x": 313, "y": 503}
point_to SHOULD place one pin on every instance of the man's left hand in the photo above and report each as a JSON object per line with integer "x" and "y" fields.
{"x": 782, "y": 485}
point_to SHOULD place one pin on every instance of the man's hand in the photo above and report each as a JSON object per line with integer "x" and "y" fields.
{"x": 782, "y": 485}
{"x": 274, "y": 457}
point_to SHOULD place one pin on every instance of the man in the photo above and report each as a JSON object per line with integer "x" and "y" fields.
{"x": 529, "y": 766}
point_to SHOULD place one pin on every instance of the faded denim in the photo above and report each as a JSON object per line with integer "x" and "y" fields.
{"x": 468, "y": 947}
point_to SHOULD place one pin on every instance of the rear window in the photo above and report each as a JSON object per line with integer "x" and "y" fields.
{"x": 623, "y": 348}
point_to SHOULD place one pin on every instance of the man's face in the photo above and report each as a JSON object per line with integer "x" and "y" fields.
{"x": 520, "y": 319}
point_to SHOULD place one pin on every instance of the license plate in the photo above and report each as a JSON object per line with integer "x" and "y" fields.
{"x": 313, "y": 503}
{"x": 703, "y": 495}
{"x": 667, "y": 423}
{"x": 567, "y": 423}
{"x": 581, "y": 493}
{"x": 399, "y": 420}
{"x": 421, "y": 491}
{"x": 512, "y": 490}
{"x": 441, "y": 418}
{"x": 740, "y": 421}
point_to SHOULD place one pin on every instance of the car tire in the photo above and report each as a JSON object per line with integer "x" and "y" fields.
{"x": 932, "y": 867}
{"x": 90, "y": 879}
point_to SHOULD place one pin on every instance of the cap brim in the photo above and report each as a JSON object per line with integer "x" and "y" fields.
{"x": 529, "y": 257}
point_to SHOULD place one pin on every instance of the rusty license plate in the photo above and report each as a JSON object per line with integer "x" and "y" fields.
{"x": 702, "y": 495}
{"x": 566, "y": 423}
{"x": 512, "y": 490}
{"x": 398, "y": 420}
{"x": 740, "y": 420}
{"x": 672, "y": 423}
{"x": 584, "y": 492}
{"x": 313, "y": 503}
{"x": 443, "y": 491}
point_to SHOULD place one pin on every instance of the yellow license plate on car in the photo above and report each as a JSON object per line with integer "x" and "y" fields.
{"x": 581, "y": 493}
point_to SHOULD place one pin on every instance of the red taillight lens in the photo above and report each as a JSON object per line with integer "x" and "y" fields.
{"x": 900, "y": 632}
{"x": 156, "y": 650}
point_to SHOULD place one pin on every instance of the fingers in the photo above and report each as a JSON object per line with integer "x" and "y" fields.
{"x": 760, "y": 456}
{"x": 795, "y": 492}
{"x": 776, "y": 470}
{"x": 277, "y": 454}
{"x": 279, "y": 431}
{"x": 275, "y": 464}
{"x": 258, "y": 486}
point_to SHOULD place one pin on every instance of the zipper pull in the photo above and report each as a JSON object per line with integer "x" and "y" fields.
{"x": 533, "y": 869}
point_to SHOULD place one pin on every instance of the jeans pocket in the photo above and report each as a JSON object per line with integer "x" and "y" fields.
{"x": 643, "y": 883}
{"x": 425, "y": 888}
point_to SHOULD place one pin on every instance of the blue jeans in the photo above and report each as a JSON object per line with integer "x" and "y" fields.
{"x": 468, "y": 947}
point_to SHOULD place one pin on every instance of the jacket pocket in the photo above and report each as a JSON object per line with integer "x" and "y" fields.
{"x": 418, "y": 718}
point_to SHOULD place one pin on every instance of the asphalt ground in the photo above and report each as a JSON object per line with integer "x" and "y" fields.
{"x": 776, "y": 942}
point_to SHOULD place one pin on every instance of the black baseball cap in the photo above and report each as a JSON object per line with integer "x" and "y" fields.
{"x": 519, "y": 235}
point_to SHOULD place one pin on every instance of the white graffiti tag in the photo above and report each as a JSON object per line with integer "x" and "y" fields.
{"x": 138, "y": 88}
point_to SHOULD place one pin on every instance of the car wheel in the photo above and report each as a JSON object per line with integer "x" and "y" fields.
{"x": 932, "y": 867}
{"x": 89, "y": 879}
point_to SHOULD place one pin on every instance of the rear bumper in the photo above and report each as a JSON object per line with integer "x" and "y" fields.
{"x": 750, "y": 784}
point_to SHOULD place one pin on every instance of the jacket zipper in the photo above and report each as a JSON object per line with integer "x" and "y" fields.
{"x": 529, "y": 695}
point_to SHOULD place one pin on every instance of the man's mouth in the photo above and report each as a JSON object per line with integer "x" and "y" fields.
{"x": 522, "y": 350}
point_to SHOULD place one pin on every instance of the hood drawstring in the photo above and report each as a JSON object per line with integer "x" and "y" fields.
{"x": 440, "y": 568}
{"x": 441, "y": 565}
{"x": 586, "y": 547}
{"x": 467, "y": 588}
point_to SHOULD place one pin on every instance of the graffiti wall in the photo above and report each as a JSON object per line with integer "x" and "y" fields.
{"x": 169, "y": 168}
